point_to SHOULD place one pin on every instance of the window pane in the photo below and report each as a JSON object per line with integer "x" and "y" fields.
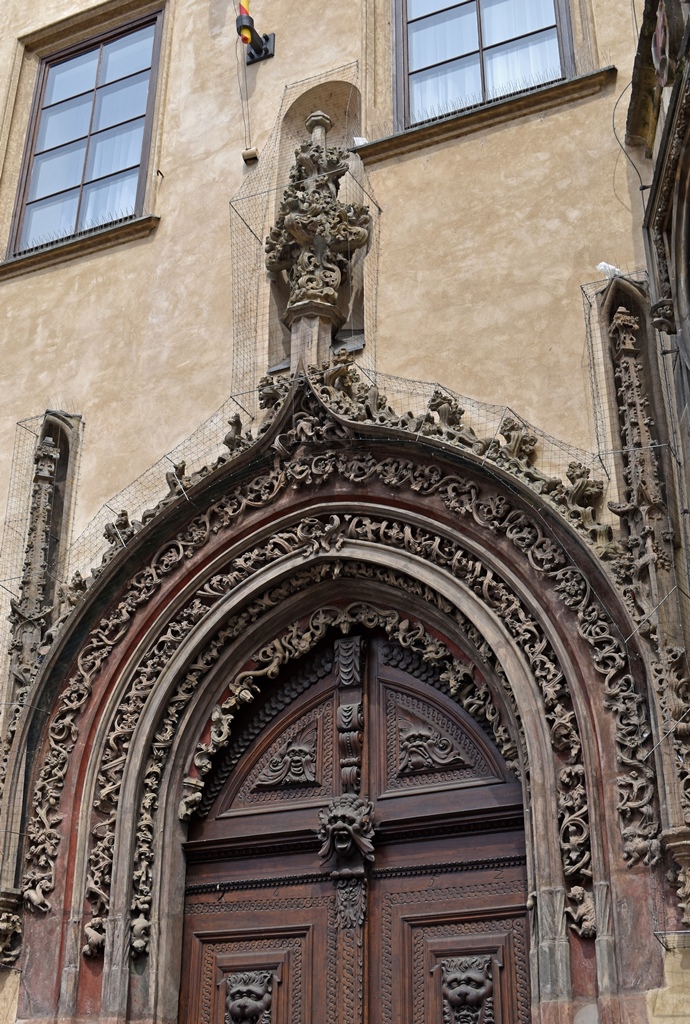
{"x": 114, "y": 150}
{"x": 125, "y": 56}
{"x": 505, "y": 19}
{"x": 443, "y": 36}
{"x": 57, "y": 170}
{"x": 418, "y": 8}
{"x": 522, "y": 64}
{"x": 108, "y": 200}
{"x": 64, "y": 122}
{"x": 49, "y": 219}
{"x": 71, "y": 78}
{"x": 121, "y": 102}
{"x": 442, "y": 90}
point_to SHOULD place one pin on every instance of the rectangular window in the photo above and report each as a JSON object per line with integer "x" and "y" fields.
{"x": 88, "y": 145}
{"x": 460, "y": 55}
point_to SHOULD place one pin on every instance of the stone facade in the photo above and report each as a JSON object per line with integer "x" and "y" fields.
{"x": 547, "y": 615}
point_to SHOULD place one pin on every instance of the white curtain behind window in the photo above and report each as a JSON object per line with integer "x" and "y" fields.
{"x": 443, "y": 36}
{"x": 522, "y": 64}
{"x": 506, "y": 19}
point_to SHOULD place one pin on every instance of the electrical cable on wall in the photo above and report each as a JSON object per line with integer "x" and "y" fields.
{"x": 643, "y": 187}
{"x": 243, "y": 91}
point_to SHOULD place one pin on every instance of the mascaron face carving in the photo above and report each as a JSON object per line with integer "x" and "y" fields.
{"x": 294, "y": 764}
{"x": 423, "y": 748}
{"x": 249, "y": 998}
{"x": 346, "y": 830}
{"x": 467, "y": 987}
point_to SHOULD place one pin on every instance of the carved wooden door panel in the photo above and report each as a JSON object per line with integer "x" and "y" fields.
{"x": 361, "y": 859}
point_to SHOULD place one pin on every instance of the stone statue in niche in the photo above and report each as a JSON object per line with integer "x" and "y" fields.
{"x": 467, "y": 989}
{"x": 315, "y": 233}
{"x": 422, "y": 748}
{"x": 294, "y": 764}
{"x": 249, "y": 998}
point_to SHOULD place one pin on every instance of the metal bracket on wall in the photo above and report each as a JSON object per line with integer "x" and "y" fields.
{"x": 259, "y": 47}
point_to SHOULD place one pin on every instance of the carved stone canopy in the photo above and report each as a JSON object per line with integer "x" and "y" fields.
{"x": 313, "y": 240}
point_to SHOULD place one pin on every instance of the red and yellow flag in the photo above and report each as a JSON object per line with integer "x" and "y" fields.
{"x": 245, "y": 34}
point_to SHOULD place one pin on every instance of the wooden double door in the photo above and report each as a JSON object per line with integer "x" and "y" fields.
{"x": 361, "y": 857}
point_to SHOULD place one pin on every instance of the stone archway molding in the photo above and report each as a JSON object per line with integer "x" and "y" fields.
{"x": 315, "y": 450}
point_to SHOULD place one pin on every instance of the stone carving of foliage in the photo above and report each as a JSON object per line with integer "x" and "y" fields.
{"x": 463, "y": 497}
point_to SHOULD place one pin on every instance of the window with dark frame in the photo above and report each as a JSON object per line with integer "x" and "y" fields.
{"x": 460, "y": 55}
{"x": 88, "y": 146}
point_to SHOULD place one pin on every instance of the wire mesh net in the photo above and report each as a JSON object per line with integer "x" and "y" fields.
{"x": 201, "y": 448}
{"x": 261, "y": 341}
{"x": 553, "y": 456}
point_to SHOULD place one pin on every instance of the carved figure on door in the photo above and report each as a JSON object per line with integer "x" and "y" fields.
{"x": 294, "y": 764}
{"x": 249, "y": 998}
{"x": 467, "y": 988}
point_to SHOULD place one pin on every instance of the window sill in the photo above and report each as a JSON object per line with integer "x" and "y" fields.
{"x": 486, "y": 116}
{"x": 73, "y": 248}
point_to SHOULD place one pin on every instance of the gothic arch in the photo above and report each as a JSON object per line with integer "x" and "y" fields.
{"x": 460, "y": 546}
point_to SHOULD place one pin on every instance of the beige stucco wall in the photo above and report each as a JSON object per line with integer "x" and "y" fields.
{"x": 485, "y": 240}
{"x": 669, "y": 1004}
{"x": 9, "y": 993}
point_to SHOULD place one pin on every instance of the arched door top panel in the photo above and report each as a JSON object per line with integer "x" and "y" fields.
{"x": 413, "y": 742}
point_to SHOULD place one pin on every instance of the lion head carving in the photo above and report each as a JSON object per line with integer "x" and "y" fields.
{"x": 467, "y": 986}
{"x": 249, "y": 998}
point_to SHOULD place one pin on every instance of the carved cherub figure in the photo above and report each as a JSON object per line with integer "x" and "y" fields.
{"x": 583, "y": 914}
{"x": 249, "y": 998}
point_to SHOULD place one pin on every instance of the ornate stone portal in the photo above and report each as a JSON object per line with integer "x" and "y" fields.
{"x": 313, "y": 240}
{"x": 324, "y": 433}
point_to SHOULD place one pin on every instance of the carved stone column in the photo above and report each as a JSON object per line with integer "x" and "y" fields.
{"x": 313, "y": 240}
{"x": 30, "y": 611}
